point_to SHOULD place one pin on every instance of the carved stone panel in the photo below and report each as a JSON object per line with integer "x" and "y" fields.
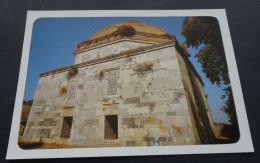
{"x": 72, "y": 91}
{"x": 112, "y": 86}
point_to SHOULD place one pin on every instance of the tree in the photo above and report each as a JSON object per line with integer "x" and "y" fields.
{"x": 29, "y": 102}
{"x": 205, "y": 31}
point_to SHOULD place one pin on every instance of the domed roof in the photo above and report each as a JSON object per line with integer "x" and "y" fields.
{"x": 138, "y": 26}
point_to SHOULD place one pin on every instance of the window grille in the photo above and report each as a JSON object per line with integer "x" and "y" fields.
{"x": 66, "y": 127}
{"x": 111, "y": 86}
{"x": 111, "y": 127}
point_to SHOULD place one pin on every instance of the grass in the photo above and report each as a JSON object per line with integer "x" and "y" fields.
{"x": 63, "y": 90}
{"x": 72, "y": 72}
{"x": 144, "y": 68}
{"x": 101, "y": 75}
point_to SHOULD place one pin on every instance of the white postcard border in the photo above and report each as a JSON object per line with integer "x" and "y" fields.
{"x": 243, "y": 145}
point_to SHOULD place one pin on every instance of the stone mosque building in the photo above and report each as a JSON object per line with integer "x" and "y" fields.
{"x": 132, "y": 84}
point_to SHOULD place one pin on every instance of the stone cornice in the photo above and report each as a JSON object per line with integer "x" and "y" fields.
{"x": 113, "y": 36}
{"x": 111, "y": 57}
{"x": 117, "y": 40}
{"x": 124, "y": 54}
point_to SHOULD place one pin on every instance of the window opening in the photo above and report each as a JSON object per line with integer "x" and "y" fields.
{"x": 111, "y": 127}
{"x": 66, "y": 127}
{"x": 111, "y": 86}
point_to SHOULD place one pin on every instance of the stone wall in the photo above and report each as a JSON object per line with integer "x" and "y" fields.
{"x": 46, "y": 113}
{"x": 24, "y": 117}
{"x": 102, "y": 51}
{"x": 145, "y": 91}
{"x": 203, "y": 124}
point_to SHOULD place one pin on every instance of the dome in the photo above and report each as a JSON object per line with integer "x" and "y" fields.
{"x": 138, "y": 26}
{"x": 133, "y": 29}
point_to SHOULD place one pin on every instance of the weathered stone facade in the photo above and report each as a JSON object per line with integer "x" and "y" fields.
{"x": 24, "y": 117}
{"x": 124, "y": 92}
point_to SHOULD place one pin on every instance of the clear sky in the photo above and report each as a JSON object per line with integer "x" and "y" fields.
{"x": 55, "y": 39}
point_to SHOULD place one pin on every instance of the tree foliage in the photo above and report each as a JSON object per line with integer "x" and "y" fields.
{"x": 229, "y": 106}
{"x": 213, "y": 65}
{"x": 29, "y": 102}
{"x": 205, "y": 31}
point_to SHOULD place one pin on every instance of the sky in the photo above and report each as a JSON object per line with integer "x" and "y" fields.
{"x": 55, "y": 39}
